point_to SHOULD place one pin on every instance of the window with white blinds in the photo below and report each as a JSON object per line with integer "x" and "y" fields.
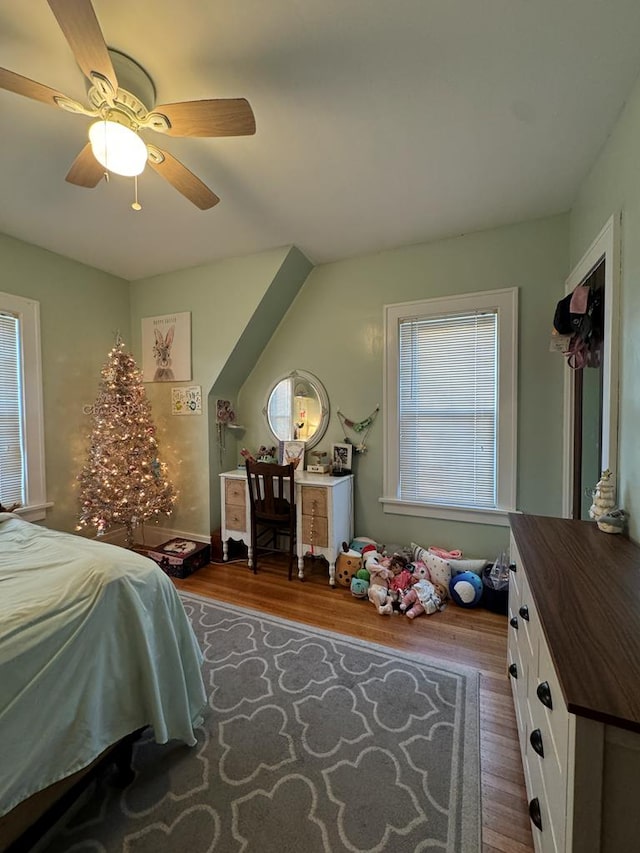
{"x": 450, "y": 406}
{"x": 22, "y": 463}
{"x": 448, "y": 409}
{"x": 11, "y": 432}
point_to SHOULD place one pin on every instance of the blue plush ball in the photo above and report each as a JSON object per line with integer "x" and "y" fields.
{"x": 465, "y": 589}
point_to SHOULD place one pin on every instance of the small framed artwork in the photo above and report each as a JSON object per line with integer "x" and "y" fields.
{"x": 341, "y": 455}
{"x": 293, "y": 451}
{"x": 186, "y": 401}
{"x": 166, "y": 348}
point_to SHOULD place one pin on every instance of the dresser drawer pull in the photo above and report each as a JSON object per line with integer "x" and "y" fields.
{"x": 513, "y": 670}
{"x": 524, "y": 612}
{"x": 535, "y": 738}
{"x": 543, "y": 692}
{"x": 534, "y": 813}
{"x": 514, "y": 622}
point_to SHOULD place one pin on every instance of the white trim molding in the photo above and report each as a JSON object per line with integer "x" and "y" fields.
{"x": 606, "y": 245}
{"x": 150, "y": 535}
{"x": 505, "y": 303}
{"x": 498, "y": 517}
{"x": 28, "y": 313}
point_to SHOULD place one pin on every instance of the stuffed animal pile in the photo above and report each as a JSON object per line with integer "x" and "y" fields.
{"x": 394, "y": 582}
{"x": 412, "y": 580}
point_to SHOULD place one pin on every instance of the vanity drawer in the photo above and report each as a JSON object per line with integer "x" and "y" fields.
{"x": 314, "y": 501}
{"x": 234, "y": 493}
{"x": 315, "y": 530}
{"x": 235, "y": 517}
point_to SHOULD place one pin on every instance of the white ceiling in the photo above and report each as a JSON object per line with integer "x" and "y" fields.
{"x": 379, "y": 122}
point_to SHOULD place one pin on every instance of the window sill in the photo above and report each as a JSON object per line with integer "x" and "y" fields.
{"x": 498, "y": 517}
{"x": 33, "y": 512}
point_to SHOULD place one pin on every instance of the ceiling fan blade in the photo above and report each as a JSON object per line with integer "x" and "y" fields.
{"x": 29, "y": 88}
{"x": 78, "y": 22}
{"x": 181, "y": 178}
{"x": 214, "y": 117}
{"x": 85, "y": 171}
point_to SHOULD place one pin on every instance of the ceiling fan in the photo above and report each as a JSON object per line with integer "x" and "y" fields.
{"x": 121, "y": 99}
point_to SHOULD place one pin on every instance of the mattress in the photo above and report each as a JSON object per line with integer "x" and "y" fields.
{"x": 94, "y": 644}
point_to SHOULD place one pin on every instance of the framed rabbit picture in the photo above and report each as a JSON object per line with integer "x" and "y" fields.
{"x": 166, "y": 348}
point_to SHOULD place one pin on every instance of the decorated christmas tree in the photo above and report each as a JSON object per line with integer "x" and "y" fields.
{"x": 123, "y": 482}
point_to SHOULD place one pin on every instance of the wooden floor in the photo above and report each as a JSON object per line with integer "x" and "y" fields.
{"x": 474, "y": 638}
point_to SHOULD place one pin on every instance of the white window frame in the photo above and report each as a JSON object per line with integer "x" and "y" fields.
{"x": 28, "y": 313}
{"x": 505, "y": 303}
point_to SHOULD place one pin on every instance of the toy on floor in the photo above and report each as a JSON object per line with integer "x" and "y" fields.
{"x": 445, "y": 555}
{"x": 395, "y": 562}
{"x": 402, "y": 581}
{"x": 465, "y": 589}
{"x": 422, "y": 597}
{"x": 402, "y": 572}
{"x": 378, "y": 593}
{"x": 359, "y": 587}
{"x": 361, "y": 542}
{"x": 348, "y": 562}
{"x": 439, "y": 569}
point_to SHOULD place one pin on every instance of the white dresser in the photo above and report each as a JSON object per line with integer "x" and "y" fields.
{"x": 574, "y": 665}
{"x": 324, "y": 515}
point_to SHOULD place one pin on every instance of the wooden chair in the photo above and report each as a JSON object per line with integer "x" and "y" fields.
{"x": 272, "y": 501}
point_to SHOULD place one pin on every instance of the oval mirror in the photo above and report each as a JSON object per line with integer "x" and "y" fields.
{"x": 298, "y": 408}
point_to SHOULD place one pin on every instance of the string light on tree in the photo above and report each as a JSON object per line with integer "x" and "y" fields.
{"x": 123, "y": 483}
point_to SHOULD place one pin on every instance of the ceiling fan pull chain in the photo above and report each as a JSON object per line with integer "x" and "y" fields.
{"x": 136, "y": 204}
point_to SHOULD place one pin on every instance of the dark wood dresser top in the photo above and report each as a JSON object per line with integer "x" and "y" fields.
{"x": 586, "y": 588}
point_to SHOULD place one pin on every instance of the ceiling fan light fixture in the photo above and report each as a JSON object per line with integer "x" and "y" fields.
{"x": 118, "y": 148}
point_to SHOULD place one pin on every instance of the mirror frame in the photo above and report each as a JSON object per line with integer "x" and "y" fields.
{"x": 319, "y": 388}
{"x": 606, "y": 245}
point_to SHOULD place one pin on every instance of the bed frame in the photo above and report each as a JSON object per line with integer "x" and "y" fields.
{"x": 30, "y": 820}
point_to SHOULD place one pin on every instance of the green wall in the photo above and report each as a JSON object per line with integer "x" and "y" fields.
{"x": 225, "y": 299}
{"x": 613, "y": 186}
{"x": 81, "y": 309}
{"x": 231, "y": 301}
{"x": 334, "y": 329}
{"x": 263, "y": 315}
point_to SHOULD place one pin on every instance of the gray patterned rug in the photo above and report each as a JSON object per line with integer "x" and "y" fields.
{"x": 313, "y": 742}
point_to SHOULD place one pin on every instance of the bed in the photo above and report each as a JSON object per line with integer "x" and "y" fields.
{"x": 94, "y": 645}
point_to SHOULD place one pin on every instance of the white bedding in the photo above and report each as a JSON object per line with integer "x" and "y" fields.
{"x": 94, "y": 644}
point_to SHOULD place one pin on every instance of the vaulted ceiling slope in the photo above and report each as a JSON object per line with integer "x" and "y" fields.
{"x": 378, "y": 123}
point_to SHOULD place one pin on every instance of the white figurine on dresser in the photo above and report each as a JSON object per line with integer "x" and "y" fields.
{"x": 324, "y": 515}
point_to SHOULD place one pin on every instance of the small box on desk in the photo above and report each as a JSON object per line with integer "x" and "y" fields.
{"x": 180, "y": 557}
{"x": 319, "y": 469}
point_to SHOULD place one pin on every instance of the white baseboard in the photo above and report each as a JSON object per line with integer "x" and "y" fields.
{"x": 153, "y": 536}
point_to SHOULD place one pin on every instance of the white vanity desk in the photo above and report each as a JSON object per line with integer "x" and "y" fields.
{"x": 324, "y": 515}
